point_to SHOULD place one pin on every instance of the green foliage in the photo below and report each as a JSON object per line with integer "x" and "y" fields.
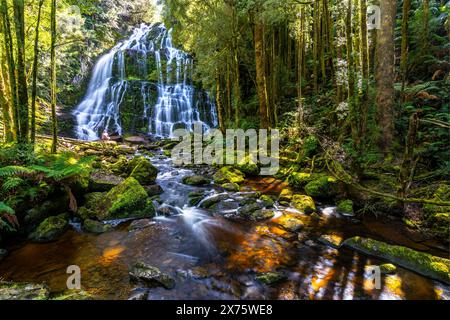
{"x": 8, "y": 220}
{"x": 63, "y": 166}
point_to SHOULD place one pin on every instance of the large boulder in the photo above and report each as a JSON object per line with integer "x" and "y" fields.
{"x": 151, "y": 276}
{"x": 103, "y": 181}
{"x": 212, "y": 200}
{"x": 423, "y": 263}
{"x": 304, "y": 203}
{"x": 143, "y": 171}
{"x": 229, "y": 174}
{"x": 23, "y": 291}
{"x": 50, "y": 229}
{"x": 298, "y": 180}
{"x": 248, "y": 167}
{"x": 127, "y": 200}
{"x": 39, "y": 213}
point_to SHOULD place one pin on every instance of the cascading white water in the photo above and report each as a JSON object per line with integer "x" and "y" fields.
{"x": 177, "y": 104}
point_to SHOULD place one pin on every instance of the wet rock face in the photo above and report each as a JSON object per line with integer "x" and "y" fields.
{"x": 23, "y": 291}
{"x": 50, "y": 229}
{"x": 151, "y": 276}
{"x": 103, "y": 181}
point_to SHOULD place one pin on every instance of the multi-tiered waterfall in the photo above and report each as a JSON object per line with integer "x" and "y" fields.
{"x": 143, "y": 85}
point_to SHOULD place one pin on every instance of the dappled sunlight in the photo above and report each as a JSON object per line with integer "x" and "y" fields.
{"x": 110, "y": 255}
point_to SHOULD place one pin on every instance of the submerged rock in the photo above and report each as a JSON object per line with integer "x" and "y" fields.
{"x": 332, "y": 240}
{"x": 270, "y": 278}
{"x": 388, "y": 268}
{"x": 141, "y": 224}
{"x": 151, "y": 276}
{"x": 50, "y": 229}
{"x": 127, "y": 200}
{"x": 96, "y": 226}
{"x": 212, "y": 200}
{"x": 290, "y": 223}
{"x": 304, "y": 203}
{"x": 420, "y": 262}
{"x": 228, "y": 174}
{"x": 196, "y": 180}
{"x": 23, "y": 291}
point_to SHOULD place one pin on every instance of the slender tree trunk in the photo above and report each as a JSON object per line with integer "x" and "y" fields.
{"x": 22, "y": 87}
{"x": 9, "y": 53}
{"x": 300, "y": 111}
{"x": 316, "y": 46}
{"x": 235, "y": 64}
{"x": 385, "y": 74}
{"x": 53, "y": 77}
{"x": 219, "y": 101}
{"x": 260, "y": 73}
{"x": 406, "y": 169}
{"x": 425, "y": 26}
{"x": 404, "y": 57}
{"x": 35, "y": 69}
{"x": 4, "y": 105}
{"x": 350, "y": 60}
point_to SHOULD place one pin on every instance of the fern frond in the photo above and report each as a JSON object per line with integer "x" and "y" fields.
{"x": 14, "y": 171}
{"x": 4, "y": 208}
{"x": 11, "y": 184}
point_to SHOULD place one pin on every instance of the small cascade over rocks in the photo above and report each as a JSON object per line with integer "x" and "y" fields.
{"x": 143, "y": 86}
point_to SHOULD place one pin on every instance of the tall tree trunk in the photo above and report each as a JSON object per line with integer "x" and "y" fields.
{"x": 4, "y": 105}
{"x": 260, "y": 73}
{"x": 425, "y": 26}
{"x": 316, "y": 20}
{"x": 350, "y": 60}
{"x": 35, "y": 72}
{"x": 300, "y": 111}
{"x": 404, "y": 56}
{"x": 9, "y": 53}
{"x": 53, "y": 77}
{"x": 385, "y": 74}
{"x": 22, "y": 87}
{"x": 219, "y": 101}
{"x": 235, "y": 65}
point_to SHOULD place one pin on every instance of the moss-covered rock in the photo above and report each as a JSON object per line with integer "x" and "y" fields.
{"x": 103, "y": 181}
{"x": 290, "y": 222}
{"x": 270, "y": 278}
{"x": 423, "y": 263}
{"x": 151, "y": 276}
{"x": 96, "y": 226}
{"x": 298, "y": 180}
{"x": 345, "y": 207}
{"x": 196, "y": 180}
{"x": 53, "y": 206}
{"x": 229, "y": 174}
{"x": 195, "y": 197}
{"x": 143, "y": 171}
{"x": 304, "y": 203}
{"x": 128, "y": 200}
{"x": 332, "y": 240}
{"x": 267, "y": 201}
{"x": 248, "y": 167}
{"x": 439, "y": 223}
{"x": 322, "y": 188}
{"x": 50, "y": 229}
{"x": 388, "y": 268}
{"x": 286, "y": 195}
{"x": 232, "y": 187}
{"x": 212, "y": 200}
{"x": 23, "y": 291}
{"x": 71, "y": 295}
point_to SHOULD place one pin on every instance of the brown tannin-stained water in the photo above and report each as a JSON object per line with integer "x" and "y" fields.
{"x": 214, "y": 258}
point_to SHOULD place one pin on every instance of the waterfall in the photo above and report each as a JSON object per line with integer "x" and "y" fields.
{"x": 146, "y": 65}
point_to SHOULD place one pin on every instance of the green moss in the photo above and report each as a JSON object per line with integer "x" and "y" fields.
{"x": 345, "y": 207}
{"x": 267, "y": 201}
{"x": 96, "y": 226}
{"x": 298, "y": 180}
{"x": 286, "y": 195}
{"x": 128, "y": 200}
{"x": 74, "y": 295}
{"x": 388, "y": 268}
{"x": 431, "y": 266}
{"x": 229, "y": 174}
{"x": 196, "y": 180}
{"x": 50, "y": 229}
{"x": 323, "y": 188}
{"x": 233, "y": 187}
{"x": 270, "y": 278}
{"x": 248, "y": 167}
{"x": 23, "y": 291}
{"x": 142, "y": 170}
{"x": 304, "y": 203}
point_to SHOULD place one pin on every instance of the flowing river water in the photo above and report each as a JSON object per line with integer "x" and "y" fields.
{"x": 213, "y": 258}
